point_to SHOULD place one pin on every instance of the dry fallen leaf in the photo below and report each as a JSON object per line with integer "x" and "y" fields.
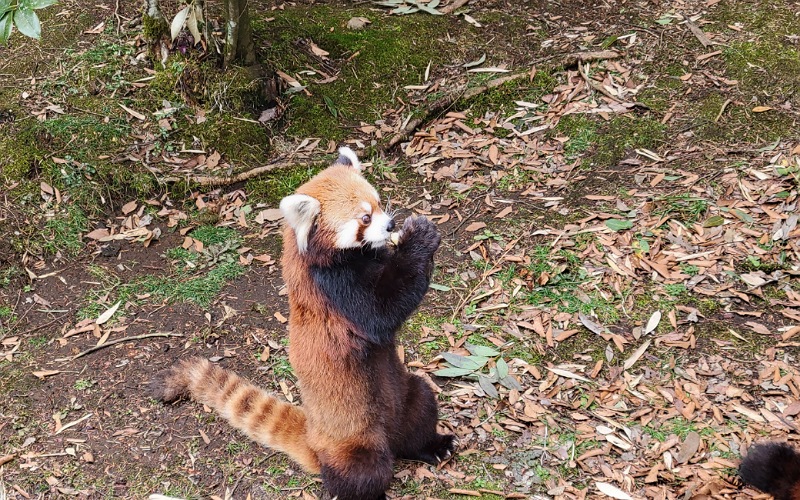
{"x": 612, "y": 491}
{"x": 107, "y": 314}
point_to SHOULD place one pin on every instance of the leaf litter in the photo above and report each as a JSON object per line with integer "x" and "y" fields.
{"x": 664, "y": 406}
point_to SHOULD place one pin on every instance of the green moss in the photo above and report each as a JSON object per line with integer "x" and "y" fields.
{"x": 63, "y": 231}
{"x": 622, "y": 134}
{"x": 401, "y": 46}
{"x": 501, "y": 99}
{"x": 153, "y": 28}
{"x": 20, "y": 152}
{"x": 738, "y": 123}
{"x": 240, "y": 142}
{"x": 58, "y": 33}
{"x": 582, "y": 132}
{"x": 213, "y": 235}
{"x": 273, "y": 186}
{"x": 767, "y": 64}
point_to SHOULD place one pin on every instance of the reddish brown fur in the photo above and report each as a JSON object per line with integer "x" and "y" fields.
{"x": 773, "y": 467}
{"x": 361, "y": 407}
{"x": 260, "y": 415}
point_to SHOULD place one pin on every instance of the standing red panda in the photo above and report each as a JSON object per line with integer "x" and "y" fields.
{"x": 773, "y": 468}
{"x": 349, "y": 293}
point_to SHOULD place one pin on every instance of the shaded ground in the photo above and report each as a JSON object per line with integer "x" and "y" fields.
{"x": 620, "y": 257}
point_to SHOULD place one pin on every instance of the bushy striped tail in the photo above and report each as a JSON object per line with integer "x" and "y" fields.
{"x": 773, "y": 468}
{"x": 261, "y": 416}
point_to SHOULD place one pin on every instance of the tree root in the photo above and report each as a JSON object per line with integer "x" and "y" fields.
{"x": 213, "y": 181}
{"x": 440, "y": 105}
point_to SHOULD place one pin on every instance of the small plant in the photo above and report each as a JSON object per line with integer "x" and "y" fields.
{"x": 675, "y": 289}
{"x": 282, "y": 368}
{"x": 686, "y": 208}
{"x": 236, "y": 447}
{"x": 472, "y": 367}
{"x": 38, "y": 341}
{"x": 83, "y": 384}
{"x": 488, "y": 235}
{"x": 8, "y": 274}
{"x": 22, "y": 16}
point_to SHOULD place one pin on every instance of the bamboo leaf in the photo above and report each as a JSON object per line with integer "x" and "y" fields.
{"x": 481, "y": 350}
{"x": 27, "y": 23}
{"x": 178, "y": 21}
{"x": 487, "y": 386}
{"x": 618, "y": 225}
{"x": 452, "y": 372}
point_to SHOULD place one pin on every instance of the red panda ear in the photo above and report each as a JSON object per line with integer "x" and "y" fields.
{"x": 299, "y": 210}
{"x": 348, "y": 157}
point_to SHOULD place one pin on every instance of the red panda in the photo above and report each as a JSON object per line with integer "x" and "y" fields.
{"x": 773, "y": 468}
{"x": 349, "y": 293}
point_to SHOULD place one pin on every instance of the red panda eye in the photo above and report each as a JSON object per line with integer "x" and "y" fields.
{"x": 366, "y": 219}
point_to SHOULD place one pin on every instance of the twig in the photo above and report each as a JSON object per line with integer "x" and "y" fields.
{"x": 466, "y": 219}
{"x": 457, "y": 4}
{"x": 486, "y": 274}
{"x": 445, "y": 102}
{"x": 722, "y": 109}
{"x": 26, "y": 332}
{"x": 119, "y": 341}
{"x": 213, "y": 181}
{"x": 596, "y": 85}
{"x": 117, "y": 16}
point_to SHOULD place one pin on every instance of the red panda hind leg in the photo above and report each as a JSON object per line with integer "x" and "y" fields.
{"x": 261, "y": 416}
{"x": 417, "y": 438}
{"x": 357, "y": 472}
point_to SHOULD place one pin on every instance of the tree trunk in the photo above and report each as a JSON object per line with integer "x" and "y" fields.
{"x": 155, "y": 29}
{"x": 239, "y": 47}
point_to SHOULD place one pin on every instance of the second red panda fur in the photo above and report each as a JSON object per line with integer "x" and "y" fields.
{"x": 773, "y": 468}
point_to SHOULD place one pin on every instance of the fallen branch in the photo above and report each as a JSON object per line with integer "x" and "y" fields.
{"x": 216, "y": 181}
{"x": 447, "y": 101}
{"x": 457, "y": 4}
{"x": 119, "y": 341}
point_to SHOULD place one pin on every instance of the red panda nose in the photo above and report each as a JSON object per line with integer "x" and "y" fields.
{"x": 390, "y": 225}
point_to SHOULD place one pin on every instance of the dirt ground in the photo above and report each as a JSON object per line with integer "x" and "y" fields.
{"x": 615, "y": 311}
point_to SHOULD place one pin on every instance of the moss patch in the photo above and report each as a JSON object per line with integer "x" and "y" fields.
{"x": 501, "y": 99}
{"x": 767, "y": 64}
{"x": 738, "y": 122}
{"x": 609, "y": 142}
{"x": 273, "y": 186}
{"x": 401, "y": 46}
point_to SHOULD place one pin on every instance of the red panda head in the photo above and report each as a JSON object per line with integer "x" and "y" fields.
{"x": 341, "y": 207}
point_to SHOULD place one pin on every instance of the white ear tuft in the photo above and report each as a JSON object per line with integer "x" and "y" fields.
{"x": 299, "y": 211}
{"x": 348, "y": 157}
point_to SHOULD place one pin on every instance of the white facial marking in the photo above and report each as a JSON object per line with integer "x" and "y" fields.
{"x": 367, "y": 207}
{"x": 347, "y": 234}
{"x": 378, "y": 231}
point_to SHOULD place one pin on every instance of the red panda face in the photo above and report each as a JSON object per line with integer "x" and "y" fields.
{"x": 341, "y": 206}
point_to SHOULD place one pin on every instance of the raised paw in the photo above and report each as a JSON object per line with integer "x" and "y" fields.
{"x": 421, "y": 233}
